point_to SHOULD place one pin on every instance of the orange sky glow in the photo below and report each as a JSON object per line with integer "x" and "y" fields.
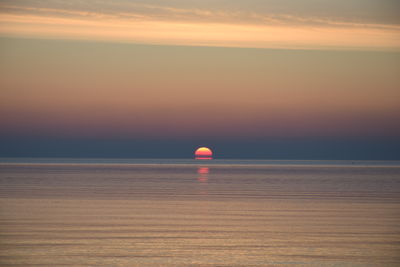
{"x": 184, "y": 69}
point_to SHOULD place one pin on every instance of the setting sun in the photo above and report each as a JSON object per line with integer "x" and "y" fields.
{"x": 203, "y": 153}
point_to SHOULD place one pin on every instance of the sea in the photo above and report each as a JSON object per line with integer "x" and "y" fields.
{"x": 184, "y": 212}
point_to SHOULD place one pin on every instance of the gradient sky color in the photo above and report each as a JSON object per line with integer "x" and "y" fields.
{"x": 193, "y": 73}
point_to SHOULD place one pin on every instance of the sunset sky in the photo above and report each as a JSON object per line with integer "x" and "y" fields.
{"x": 255, "y": 79}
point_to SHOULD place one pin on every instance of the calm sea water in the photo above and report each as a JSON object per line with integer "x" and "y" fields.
{"x": 92, "y": 212}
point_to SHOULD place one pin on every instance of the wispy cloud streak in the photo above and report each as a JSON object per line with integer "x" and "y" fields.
{"x": 163, "y": 24}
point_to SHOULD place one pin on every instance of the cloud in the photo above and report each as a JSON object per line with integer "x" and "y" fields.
{"x": 254, "y": 12}
{"x": 188, "y": 24}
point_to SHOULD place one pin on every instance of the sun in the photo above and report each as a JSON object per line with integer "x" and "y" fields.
{"x": 203, "y": 153}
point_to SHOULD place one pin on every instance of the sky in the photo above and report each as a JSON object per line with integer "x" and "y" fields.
{"x": 306, "y": 79}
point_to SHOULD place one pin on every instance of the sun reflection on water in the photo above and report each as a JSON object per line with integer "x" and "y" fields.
{"x": 203, "y": 174}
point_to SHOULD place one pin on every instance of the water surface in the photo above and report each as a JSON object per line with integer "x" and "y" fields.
{"x": 92, "y": 212}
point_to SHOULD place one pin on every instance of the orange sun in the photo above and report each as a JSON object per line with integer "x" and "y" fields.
{"x": 203, "y": 153}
